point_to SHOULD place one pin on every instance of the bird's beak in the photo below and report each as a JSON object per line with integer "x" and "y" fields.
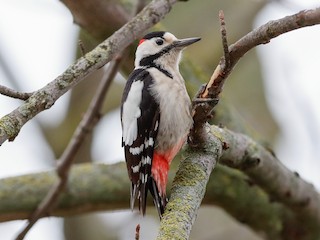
{"x": 181, "y": 43}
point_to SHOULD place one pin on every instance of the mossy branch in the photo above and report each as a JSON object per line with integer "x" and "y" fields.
{"x": 266, "y": 170}
{"x": 238, "y": 150}
{"x": 270, "y": 174}
{"x": 188, "y": 189}
{"x": 100, "y": 187}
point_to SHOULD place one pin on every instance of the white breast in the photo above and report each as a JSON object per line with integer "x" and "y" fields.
{"x": 175, "y": 117}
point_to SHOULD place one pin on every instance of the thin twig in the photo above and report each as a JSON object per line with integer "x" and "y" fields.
{"x": 224, "y": 39}
{"x": 137, "y": 236}
{"x": 13, "y": 93}
{"x": 232, "y": 54}
{"x": 218, "y": 77}
{"x": 201, "y": 110}
{"x": 261, "y": 35}
{"x": 81, "y": 46}
{"x": 86, "y": 125}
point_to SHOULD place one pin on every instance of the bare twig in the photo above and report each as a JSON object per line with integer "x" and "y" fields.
{"x": 261, "y": 35}
{"x": 199, "y": 135}
{"x": 44, "y": 98}
{"x": 13, "y": 93}
{"x": 81, "y": 47}
{"x": 137, "y": 236}
{"x": 224, "y": 41}
{"x": 201, "y": 111}
{"x": 86, "y": 125}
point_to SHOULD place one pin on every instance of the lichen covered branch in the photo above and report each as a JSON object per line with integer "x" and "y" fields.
{"x": 64, "y": 164}
{"x": 270, "y": 174}
{"x": 188, "y": 189}
{"x": 13, "y": 93}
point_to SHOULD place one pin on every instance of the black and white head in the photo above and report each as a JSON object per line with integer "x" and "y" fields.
{"x": 161, "y": 49}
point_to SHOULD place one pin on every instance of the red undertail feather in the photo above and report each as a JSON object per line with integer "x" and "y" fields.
{"x": 160, "y": 168}
{"x": 161, "y": 164}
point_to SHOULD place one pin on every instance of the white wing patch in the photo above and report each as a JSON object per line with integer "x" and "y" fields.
{"x": 136, "y": 150}
{"x": 135, "y": 169}
{"x": 146, "y": 160}
{"x": 149, "y": 143}
{"x": 131, "y": 112}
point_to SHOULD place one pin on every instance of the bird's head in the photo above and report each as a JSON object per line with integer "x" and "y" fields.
{"x": 161, "y": 48}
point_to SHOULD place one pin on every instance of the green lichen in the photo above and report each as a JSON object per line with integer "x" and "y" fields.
{"x": 189, "y": 175}
{"x": 24, "y": 186}
{"x": 102, "y": 51}
{"x": 65, "y": 80}
{"x": 9, "y": 127}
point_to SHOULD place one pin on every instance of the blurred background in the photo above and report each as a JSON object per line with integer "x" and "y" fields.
{"x": 274, "y": 88}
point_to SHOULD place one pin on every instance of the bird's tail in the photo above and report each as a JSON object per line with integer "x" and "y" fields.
{"x": 159, "y": 200}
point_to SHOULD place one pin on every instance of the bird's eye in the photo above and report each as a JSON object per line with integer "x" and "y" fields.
{"x": 159, "y": 42}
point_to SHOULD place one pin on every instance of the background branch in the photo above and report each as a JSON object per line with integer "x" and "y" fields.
{"x": 270, "y": 174}
{"x": 100, "y": 187}
{"x": 85, "y": 126}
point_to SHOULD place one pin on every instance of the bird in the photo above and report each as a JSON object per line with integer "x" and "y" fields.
{"x": 155, "y": 116}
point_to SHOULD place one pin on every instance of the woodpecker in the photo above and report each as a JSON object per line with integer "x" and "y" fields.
{"x": 155, "y": 116}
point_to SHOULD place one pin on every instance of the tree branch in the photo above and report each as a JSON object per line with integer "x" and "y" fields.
{"x": 113, "y": 14}
{"x": 261, "y": 35}
{"x": 100, "y": 187}
{"x": 85, "y": 126}
{"x": 44, "y": 98}
{"x": 240, "y": 152}
{"x": 188, "y": 189}
{"x": 183, "y": 205}
{"x": 270, "y": 174}
{"x": 13, "y": 93}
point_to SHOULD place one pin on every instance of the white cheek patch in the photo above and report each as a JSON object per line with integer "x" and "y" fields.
{"x": 131, "y": 112}
{"x": 145, "y": 49}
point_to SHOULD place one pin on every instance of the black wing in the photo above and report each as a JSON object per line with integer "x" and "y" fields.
{"x": 139, "y": 154}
